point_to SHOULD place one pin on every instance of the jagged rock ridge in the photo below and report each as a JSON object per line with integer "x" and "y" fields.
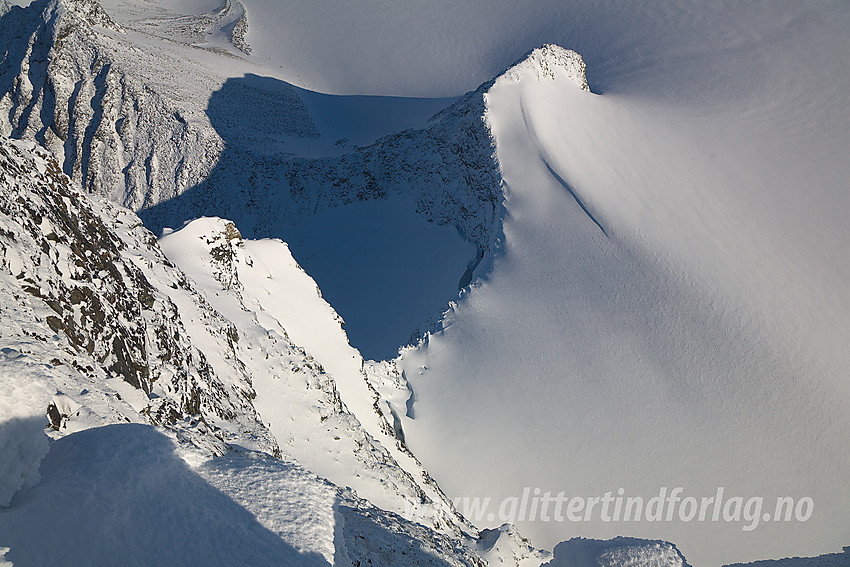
{"x": 74, "y": 81}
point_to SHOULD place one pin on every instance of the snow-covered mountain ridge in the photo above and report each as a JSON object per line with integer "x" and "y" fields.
{"x": 548, "y": 62}
{"x": 337, "y": 427}
{"x": 94, "y": 96}
{"x": 667, "y": 308}
{"x": 653, "y": 289}
{"x": 238, "y": 143}
{"x": 99, "y": 325}
{"x": 78, "y": 271}
{"x": 79, "y": 278}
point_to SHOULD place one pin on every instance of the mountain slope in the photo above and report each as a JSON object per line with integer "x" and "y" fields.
{"x": 81, "y": 308}
{"x": 93, "y": 92}
{"x": 668, "y": 309}
{"x": 335, "y": 427}
{"x": 664, "y": 299}
{"x": 100, "y": 328}
{"x": 238, "y": 143}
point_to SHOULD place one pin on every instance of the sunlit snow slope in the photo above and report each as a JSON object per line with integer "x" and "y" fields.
{"x": 669, "y": 306}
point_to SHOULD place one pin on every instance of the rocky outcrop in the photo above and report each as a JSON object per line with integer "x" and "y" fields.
{"x": 75, "y": 83}
{"x": 65, "y": 84}
{"x": 548, "y": 62}
{"x": 78, "y": 271}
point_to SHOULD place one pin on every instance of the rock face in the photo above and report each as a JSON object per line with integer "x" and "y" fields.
{"x": 86, "y": 89}
{"x": 76, "y": 277}
{"x": 547, "y": 62}
{"x": 447, "y": 167}
{"x": 64, "y": 85}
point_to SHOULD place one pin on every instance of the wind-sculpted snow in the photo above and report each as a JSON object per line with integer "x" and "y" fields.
{"x": 664, "y": 301}
{"x": 100, "y": 105}
{"x": 617, "y": 552}
{"x": 668, "y": 308}
{"x": 128, "y": 494}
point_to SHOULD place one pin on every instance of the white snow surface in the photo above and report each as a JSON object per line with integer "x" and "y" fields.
{"x": 669, "y": 304}
{"x": 327, "y": 415}
{"x": 97, "y": 322}
{"x": 668, "y": 48}
{"x": 617, "y": 552}
{"x": 131, "y": 494}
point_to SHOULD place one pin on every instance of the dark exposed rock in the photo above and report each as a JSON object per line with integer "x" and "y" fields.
{"x": 68, "y": 256}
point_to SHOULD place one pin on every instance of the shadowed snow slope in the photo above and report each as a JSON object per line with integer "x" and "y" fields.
{"x": 383, "y": 268}
{"x": 669, "y": 307}
{"x": 120, "y": 494}
{"x": 127, "y": 494}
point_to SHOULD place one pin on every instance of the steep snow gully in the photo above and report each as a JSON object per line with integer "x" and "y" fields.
{"x": 603, "y": 293}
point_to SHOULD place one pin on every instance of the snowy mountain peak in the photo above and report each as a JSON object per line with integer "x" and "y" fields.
{"x": 548, "y": 63}
{"x": 90, "y": 11}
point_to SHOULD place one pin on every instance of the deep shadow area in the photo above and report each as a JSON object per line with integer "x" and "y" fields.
{"x": 259, "y": 106}
{"x": 382, "y": 267}
{"x": 359, "y": 120}
{"x": 372, "y": 542}
{"x": 23, "y": 444}
{"x": 119, "y": 495}
{"x": 377, "y": 260}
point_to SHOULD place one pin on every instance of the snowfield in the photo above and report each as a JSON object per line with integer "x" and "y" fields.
{"x": 668, "y": 306}
{"x": 407, "y": 254}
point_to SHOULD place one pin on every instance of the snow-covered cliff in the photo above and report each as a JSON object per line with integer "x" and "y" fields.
{"x": 99, "y": 327}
